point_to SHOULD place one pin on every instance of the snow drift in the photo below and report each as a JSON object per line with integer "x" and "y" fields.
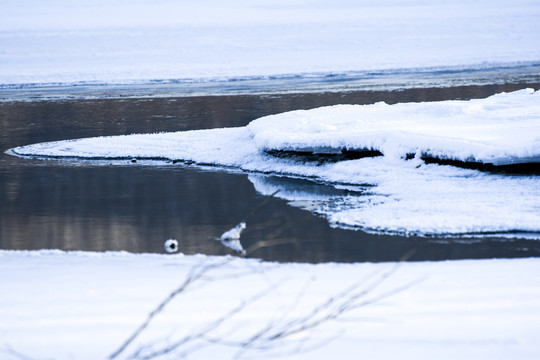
{"x": 501, "y": 130}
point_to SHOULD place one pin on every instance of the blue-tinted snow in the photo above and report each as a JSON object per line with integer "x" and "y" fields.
{"x": 65, "y": 42}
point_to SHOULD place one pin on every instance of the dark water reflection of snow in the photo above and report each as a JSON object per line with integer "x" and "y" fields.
{"x": 74, "y": 206}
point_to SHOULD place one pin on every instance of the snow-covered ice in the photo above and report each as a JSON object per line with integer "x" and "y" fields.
{"x": 500, "y": 130}
{"x": 388, "y": 193}
{"x": 82, "y": 305}
{"x": 116, "y": 41}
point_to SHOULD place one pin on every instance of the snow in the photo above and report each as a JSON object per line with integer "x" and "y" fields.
{"x": 83, "y": 305}
{"x": 231, "y": 238}
{"x": 171, "y": 245}
{"x": 116, "y": 41}
{"x": 386, "y": 193}
{"x": 501, "y": 130}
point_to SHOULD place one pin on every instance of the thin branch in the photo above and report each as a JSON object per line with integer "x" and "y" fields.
{"x": 274, "y": 335}
{"x": 267, "y": 243}
{"x": 17, "y": 354}
{"x": 270, "y": 239}
{"x": 258, "y": 206}
{"x": 203, "y": 332}
{"x": 344, "y": 302}
{"x": 331, "y": 309}
{"x": 195, "y": 274}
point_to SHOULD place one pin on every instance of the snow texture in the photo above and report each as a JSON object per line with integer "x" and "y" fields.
{"x": 501, "y": 130}
{"x": 83, "y": 305}
{"x": 386, "y": 193}
{"x": 116, "y": 41}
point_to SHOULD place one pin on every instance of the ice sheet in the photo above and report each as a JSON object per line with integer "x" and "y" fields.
{"x": 87, "y": 42}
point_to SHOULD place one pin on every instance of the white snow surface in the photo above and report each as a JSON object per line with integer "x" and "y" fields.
{"x": 83, "y": 305}
{"x": 385, "y": 193}
{"x": 231, "y": 238}
{"x": 502, "y": 129}
{"x": 115, "y": 41}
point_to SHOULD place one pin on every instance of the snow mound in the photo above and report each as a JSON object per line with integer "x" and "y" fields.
{"x": 398, "y": 192}
{"x": 502, "y": 129}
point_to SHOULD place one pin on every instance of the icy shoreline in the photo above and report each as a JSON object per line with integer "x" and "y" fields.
{"x": 500, "y": 130}
{"x": 406, "y": 195}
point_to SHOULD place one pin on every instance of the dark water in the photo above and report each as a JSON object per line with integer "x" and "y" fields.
{"x": 82, "y": 206}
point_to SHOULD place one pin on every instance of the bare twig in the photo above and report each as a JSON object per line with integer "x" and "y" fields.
{"x": 267, "y": 243}
{"x": 259, "y": 206}
{"x": 231, "y": 237}
{"x": 272, "y": 240}
{"x": 17, "y": 354}
{"x": 349, "y": 299}
{"x": 205, "y": 330}
{"x": 195, "y": 274}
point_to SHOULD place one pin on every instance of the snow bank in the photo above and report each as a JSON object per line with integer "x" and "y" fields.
{"x": 385, "y": 193}
{"x": 502, "y": 129}
{"x": 67, "y": 42}
{"x": 82, "y": 305}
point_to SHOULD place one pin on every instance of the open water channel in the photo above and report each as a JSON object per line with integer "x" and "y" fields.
{"x": 131, "y": 207}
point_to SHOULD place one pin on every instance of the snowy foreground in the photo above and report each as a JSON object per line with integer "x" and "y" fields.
{"x": 114, "y": 41}
{"x": 397, "y": 192}
{"x": 75, "y": 305}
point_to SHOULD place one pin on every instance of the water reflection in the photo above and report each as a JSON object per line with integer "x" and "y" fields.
{"x": 137, "y": 208}
{"x": 83, "y": 206}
